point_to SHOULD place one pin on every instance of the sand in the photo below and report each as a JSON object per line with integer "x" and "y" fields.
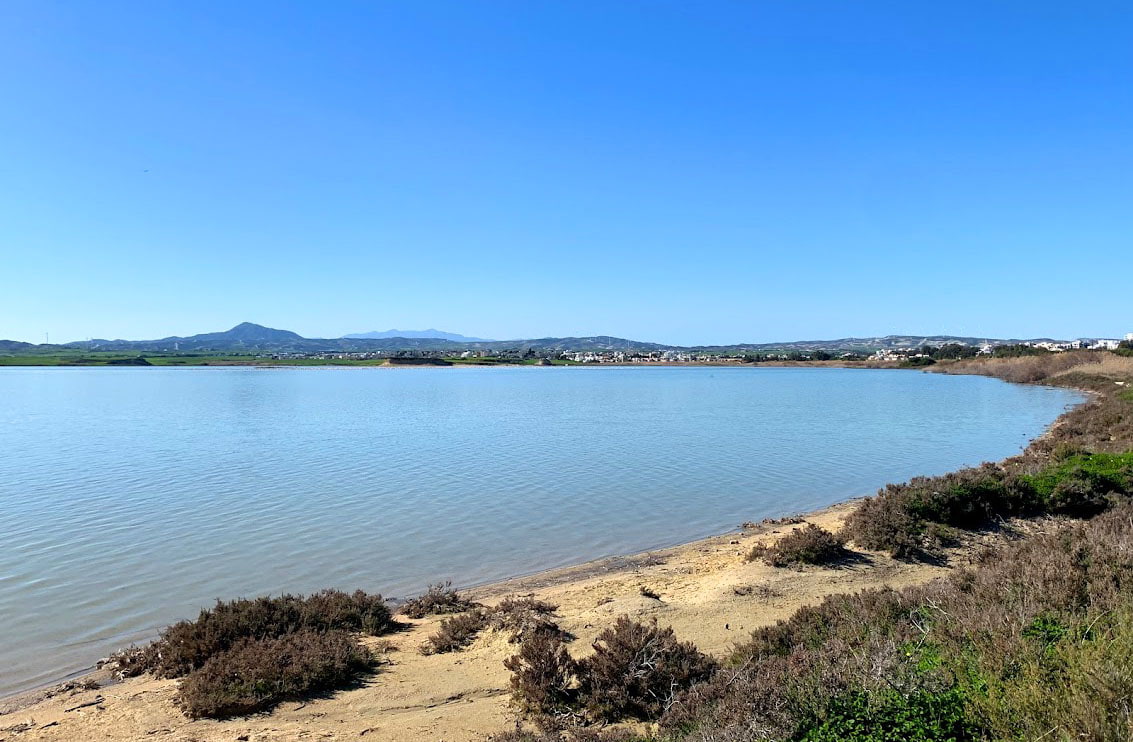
{"x": 707, "y": 592}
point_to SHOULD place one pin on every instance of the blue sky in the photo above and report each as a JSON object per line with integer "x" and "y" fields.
{"x": 684, "y": 172}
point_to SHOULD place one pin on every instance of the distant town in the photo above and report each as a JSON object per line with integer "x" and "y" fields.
{"x": 621, "y": 357}
{"x": 252, "y": 344}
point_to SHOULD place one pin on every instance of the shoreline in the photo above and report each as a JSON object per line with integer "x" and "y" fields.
{"x": 705, "y": 590}
{"x": 687, "y": 567}
{"x": 517, "y": 584}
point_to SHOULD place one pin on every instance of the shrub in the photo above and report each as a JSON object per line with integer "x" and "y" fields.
{"x": 808, "y": 545}
{"x": 457, "y": 632}
{"x": 439, "y": 599}
{"x": 899, "y": 519}
{"x": 188, "y": 645}
{"x": 255, "y": 675}
{"x": 522, "y": 618}
{"x": 894, "y": 717}
{"x": 1037, "y": 636}
{"x": 1080, "y": 484}
{"x": 636, "y": 670}
{"x": 541, "y": 675}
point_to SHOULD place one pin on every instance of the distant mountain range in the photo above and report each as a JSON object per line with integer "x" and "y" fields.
{"x": 249, "y": 337}
{"x": 419, "y": 334}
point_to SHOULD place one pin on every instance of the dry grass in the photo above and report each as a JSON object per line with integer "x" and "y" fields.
{"x": 1024, "y": 369}
{"x": 1110, "y": 366}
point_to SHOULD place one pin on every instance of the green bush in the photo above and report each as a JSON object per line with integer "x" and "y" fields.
{"x": 894, "y": 717}
{"x": 1080, "y": 484}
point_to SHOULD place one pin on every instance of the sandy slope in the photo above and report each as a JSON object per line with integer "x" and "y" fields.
{"x": 463, "y": 696}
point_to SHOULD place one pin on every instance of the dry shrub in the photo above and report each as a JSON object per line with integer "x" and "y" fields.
{"x": 457, "y": 632}
{"x": 911, "y": 519}
{"x": 570, "y": 734}
{"x": 807, "y": 545}
{"x": 256, "y": 675}
{"x": 1038, "y": 636}
{"x": 764, "y": 592}
{"x": 542, "y": 674}
{"x": 520, "y": 617}
{"x": 636, "y": 671}
{"x": 188, "y": 645}
{"x": 438, "y": 600}
{"x": 896, "y": 519}
{"x": 525, "y": 617}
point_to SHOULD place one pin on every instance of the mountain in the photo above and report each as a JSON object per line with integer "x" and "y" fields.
{"x": 244, "y": 336}
{"x": 422, "y": 334}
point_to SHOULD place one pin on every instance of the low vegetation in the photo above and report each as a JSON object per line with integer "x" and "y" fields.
{"x": 807, "y": 545}
{"x": 1082, "y": 467}
{"x": 457, "y": 632}
{"x": 225, "y": 655}
{"x": 439, "y": 599}
{"x": 520, "y": 617}
{"x": 256, "y": 675}
{"x": 635, "y": 672}
{"x": 1033, "y": 641}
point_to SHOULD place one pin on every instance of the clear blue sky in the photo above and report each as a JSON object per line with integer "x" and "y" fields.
{"x": 684, "y": 172}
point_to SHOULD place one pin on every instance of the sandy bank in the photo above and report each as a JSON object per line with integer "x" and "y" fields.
{"x": 708, "y": 593}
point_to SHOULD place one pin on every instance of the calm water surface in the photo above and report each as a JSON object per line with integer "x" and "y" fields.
{"x": 131, "y": 497}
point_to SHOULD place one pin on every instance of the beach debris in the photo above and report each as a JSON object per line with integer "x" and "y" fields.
{"x": 21, "y": 727}
{"x": 97, "y": 700}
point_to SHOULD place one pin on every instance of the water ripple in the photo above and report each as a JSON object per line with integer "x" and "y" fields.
{"x": 130, "y": 498}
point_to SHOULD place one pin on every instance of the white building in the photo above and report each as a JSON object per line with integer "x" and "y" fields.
{"x": 1129, "y": 337}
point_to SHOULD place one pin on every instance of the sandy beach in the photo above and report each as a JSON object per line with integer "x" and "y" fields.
{"x": 706, "y": 591}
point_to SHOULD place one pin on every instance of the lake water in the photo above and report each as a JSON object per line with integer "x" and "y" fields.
{"x": 131, "y": 497}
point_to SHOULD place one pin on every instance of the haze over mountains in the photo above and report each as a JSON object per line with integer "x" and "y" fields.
{"x": 250, "y": 337}
{"x": 436, "y": 334}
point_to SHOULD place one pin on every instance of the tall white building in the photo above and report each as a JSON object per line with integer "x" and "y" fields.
{"x": 1129, "y": 336}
